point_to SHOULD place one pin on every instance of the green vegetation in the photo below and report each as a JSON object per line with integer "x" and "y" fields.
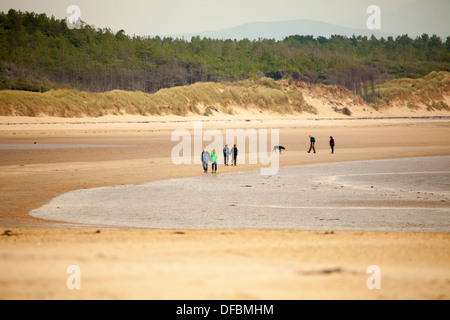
{"x": 39, "y": 54}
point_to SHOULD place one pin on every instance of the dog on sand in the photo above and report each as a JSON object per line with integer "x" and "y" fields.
{"x": 278, "y": 148}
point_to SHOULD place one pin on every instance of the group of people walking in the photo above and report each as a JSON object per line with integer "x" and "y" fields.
{"x": 207, "y": 157}
{"x": 312, "y": 144}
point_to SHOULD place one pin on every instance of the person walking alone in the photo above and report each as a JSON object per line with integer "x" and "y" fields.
{"x": 206, "y": 157}
{"x": 312, "y": 141}
{"x": 214, "y": 157}
{"x": 332, "y": 144}
{"x": 226, "y": 155}
{"x": 234, "y": 154}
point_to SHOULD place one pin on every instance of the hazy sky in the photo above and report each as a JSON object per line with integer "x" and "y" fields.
{"x": 169, "y": 17}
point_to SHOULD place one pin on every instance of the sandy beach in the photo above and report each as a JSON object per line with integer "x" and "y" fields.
{"x": 43, "y": 159}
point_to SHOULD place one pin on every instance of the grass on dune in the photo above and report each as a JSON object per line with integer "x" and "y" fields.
{"x": 429, "y": 91}
{"x": 201, "y": 98}
{"x": 264, "y": 94}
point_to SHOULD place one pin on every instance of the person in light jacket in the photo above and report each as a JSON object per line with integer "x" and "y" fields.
{"x": 214, "y": 157}
{"x": 226, "y": 155}
{"x": 206, "y": 157}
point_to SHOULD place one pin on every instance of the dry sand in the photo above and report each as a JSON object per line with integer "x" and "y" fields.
{"x": 202, "y": 264}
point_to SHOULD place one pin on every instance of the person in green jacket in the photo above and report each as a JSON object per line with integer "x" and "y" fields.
{"x": 214, "y": 161}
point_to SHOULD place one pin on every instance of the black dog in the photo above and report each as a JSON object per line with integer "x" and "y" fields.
{"x": 279, "y": 148}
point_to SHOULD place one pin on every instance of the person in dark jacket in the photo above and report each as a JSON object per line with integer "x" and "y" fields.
{"x": 332, "y": 144}
{"x": 234, "y": 154}
{"x": 312, "y": 141}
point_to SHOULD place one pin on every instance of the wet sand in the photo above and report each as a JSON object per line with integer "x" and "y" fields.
{"x": 391, "y": 195}
{"x": 213, "y": 264}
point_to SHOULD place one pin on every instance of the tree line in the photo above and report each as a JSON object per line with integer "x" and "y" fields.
{"x": 40, "y": 52}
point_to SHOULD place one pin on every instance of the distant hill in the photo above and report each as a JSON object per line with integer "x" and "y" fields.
{"x": 279, "y": 30}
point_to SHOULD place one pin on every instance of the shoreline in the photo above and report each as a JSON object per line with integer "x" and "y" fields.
{"x": 268, "y": 196}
